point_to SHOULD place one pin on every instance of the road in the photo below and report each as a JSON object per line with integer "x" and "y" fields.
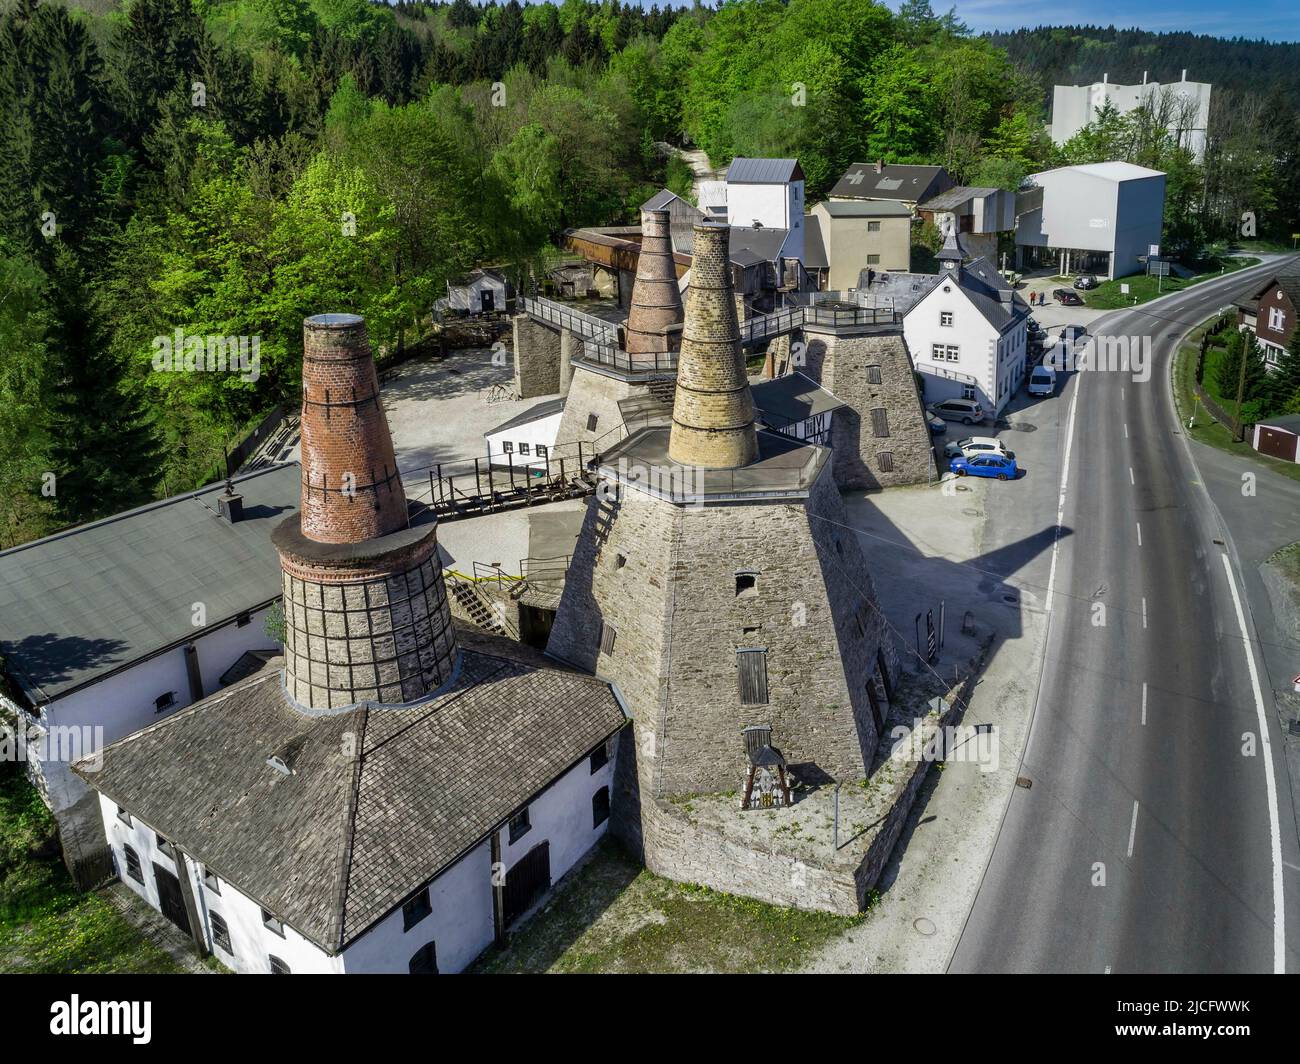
{"x": 1157, "y": 833}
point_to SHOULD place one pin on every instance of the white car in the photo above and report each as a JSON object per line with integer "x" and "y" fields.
{"x": 1042, "y": 381}
{"x": 973, "y": 445}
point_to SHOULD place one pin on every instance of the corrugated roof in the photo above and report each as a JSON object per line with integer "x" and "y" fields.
{"x": 342, "y": 840}
{"x": 763, "y": 171}
{"x": 955, "y": 197}
{"x": 95, "y": 598}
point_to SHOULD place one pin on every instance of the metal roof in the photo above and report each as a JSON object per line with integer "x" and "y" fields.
{"x": 534, "y": 413}
{"x": 764, "y": 243}
{"x": 763, "y": 171}
{"x": 814, "y": 246}
{"x": 955, "y": 197}
{"x": 865, "y": 209}
{"x": 93, "y": 599}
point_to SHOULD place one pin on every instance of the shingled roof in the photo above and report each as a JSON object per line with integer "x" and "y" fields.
{"x": 378, "y": 801}
{"x": 89, "y": 601}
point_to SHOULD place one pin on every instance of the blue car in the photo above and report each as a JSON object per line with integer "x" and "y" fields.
{"x": 985, "y": 465}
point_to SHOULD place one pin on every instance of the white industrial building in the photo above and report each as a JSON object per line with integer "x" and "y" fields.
{"x": 968, "y": 333}
{"x": 761, "y": 193}
{"x": 527, "y": 440}
{"x": 1185, "y": 106}
{"x": 1101, "y": 218}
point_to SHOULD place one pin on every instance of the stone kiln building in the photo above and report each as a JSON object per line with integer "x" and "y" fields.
{"x": 389, "y": 800}
{"x": 717, "y": 584}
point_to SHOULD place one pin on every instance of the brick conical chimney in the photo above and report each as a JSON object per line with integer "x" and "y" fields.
{"x": 656, "y": 299}
{"x": 366, "y": 615}
{"x": 350, "y": 486}
{"x": 713, "y": 410}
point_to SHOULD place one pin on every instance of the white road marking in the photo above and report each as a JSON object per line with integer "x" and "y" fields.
{"x": 1132, "y": 829}
{"x": 1126, "y": 430}
{"x": 1060, "y": 501}
{"x": 1144, "y": 611}
{"x": 1139, "y": 524}
{"x": 1107, "y": 971}
{"x": 1274, "y": 830}
{"x": 1130, "y": 476}
{"x": 1121, "y": 392}
{"x": 1144, "y": 702}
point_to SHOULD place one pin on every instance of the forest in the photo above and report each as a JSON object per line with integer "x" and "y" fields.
{"x": 226, "y": 167}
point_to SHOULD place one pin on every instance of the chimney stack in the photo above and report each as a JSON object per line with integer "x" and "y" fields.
{"x": 713, "y": 410}
{"x": 230, "y": 504}
{"x": 351, "y": 490}
{"x": 655, "y": 317}
{"x": 366, "y": 617}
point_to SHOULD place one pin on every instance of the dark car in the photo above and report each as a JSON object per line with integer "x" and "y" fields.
{"x": 1066, "y": 297}
{"x": 1085, "y": 280}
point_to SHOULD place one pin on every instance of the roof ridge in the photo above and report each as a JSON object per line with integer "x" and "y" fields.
{"x": 339, "y": 932}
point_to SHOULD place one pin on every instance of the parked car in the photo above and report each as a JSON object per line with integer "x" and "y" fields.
{"x": 937, "y": 424}
{"x": 1085, "y": 280}
{"x": 1042, "y": 381}
{"x": 973, "y": 445}
{"x": 985, "y": 465}
{"x": 967, "y": 411}
{"x": 1067, "y": 297}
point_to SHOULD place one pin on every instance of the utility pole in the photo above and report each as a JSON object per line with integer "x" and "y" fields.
{"x": 1241, "y": 389}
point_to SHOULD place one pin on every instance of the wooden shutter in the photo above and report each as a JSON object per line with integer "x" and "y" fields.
{"x": 880, "y": 421}
{"x": 885, "y": 459}
{"x": 873, "y": 374}
{"x": 751, "y": 666}
{"x": 608, "y": 633}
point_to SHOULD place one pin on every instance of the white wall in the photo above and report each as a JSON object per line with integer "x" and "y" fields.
{"x": 773, "y": 207}
{"x": 124, "y": 703}
{"x": 460, "y": 923}
{"x": 544, "y": 430}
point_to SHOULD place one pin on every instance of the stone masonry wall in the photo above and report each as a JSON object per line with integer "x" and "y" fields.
{"x": 591, "y": 392}
{"x": 841, "y": 364}
{"x": 537, "y": 358}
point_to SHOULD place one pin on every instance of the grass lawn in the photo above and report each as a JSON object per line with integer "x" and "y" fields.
{"x": 46, "y": 925}
{"x": 1287, "y": 561}
{"x": 1107, "y": 295}
{"x": 614, "y": 916}
{"x": 1206, "y": 430}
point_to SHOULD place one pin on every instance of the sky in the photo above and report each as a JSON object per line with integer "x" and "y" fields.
{"x": 1274, "y": 20}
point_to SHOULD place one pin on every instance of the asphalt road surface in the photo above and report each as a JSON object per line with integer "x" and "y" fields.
{"x": 1158, "y": 833}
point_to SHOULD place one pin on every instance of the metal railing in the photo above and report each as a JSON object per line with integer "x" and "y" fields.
{"x": 578, "y": 322}
{"x": 611, "y": 355}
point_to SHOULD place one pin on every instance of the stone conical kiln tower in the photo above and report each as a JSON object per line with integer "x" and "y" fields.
{"x": 717, "y": 583}
{"x": 365, "y": 607}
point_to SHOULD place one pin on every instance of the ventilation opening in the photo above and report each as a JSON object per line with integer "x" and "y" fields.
{"x": 620, "y": 560}
{"x": 746, "y": 585}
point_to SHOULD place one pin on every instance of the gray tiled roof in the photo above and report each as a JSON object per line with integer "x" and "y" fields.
{"x": 865, "y": 209}
{"x": 986, "y": 288}
{"x": 782, "y": 401}
{"x": 88, "y": 601}
{"x": 957, "y": 196}
{"x": 533, "y": 413}
{"x": 762, "y": 242}
{"x": 380, "y": 800}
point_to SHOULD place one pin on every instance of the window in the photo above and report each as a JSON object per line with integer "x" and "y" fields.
{"x": 945, "y": 318}
{"x": 746, "y": 585}
{"x": 873, "y": 375}
{"x": 242, "y": 620}
{"x": 1276, "y": 319}
{"x": 542, "y": 450}
{"x": 873, "y": 260}
{"x": 599, "y": 758}
{"x": 211, "y": 881}
{"x": 608, "y": 633}
{"x": 133, "y": 864}
{"x": 416, "y": 908}
{"x": 751, "y": 666}
{"x": 879, "y": 421}
{"x": 164, "y": 701}
{"x": 278, "y": 967}
{"x": 164, "y": 846}
{"x": 272, "y": 924}
{"x": 519, "y": 825}
{"x": 507, "y": 447}
{"x": 885, "y": 460}
{"x": 123, "y": 816}
{"x": 220, "y": 933}
{"x": 945, "y": 353}
{"x": 599, "y": 807}
{"x": 873, "y": 227}
{"x": 523, "y": 448}
{"x": 968, "y": 391}
{"x": 425, "y": 961}
{"x": 592, "y": 419}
